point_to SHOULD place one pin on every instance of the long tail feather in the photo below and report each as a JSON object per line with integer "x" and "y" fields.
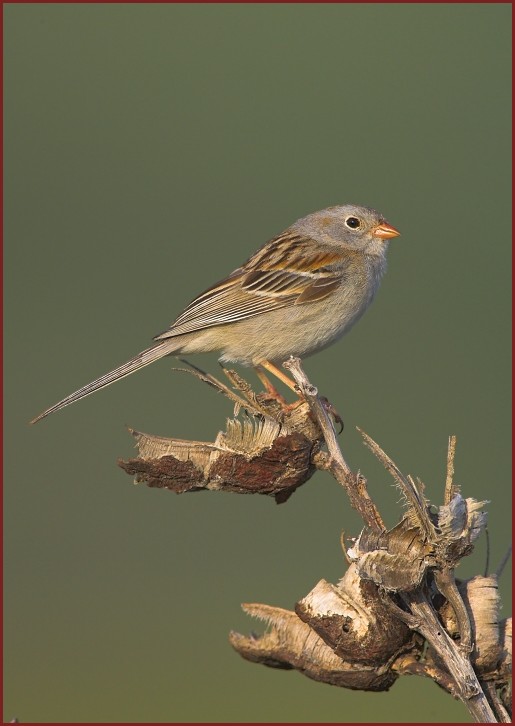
{"x": 134, "y": 364}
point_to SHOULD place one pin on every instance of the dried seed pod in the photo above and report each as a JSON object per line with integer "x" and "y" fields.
{"x": 492, "y": 638}
{"x": 250, "y": 456}
{"x": 268, "y": 451}
{"x": 396, "y": 560}
{"x": 354, "y": 621}
{"x": 291, "y": 644}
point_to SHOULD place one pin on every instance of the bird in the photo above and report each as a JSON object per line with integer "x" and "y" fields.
{"x": 297, "y": 294}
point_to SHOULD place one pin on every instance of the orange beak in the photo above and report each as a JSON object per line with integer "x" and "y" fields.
{"x": 385, "y": 231}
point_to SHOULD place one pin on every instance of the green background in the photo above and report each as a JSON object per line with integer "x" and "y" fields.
{"x": 149, "y": 149}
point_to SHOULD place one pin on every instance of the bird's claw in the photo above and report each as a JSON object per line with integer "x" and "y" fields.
{"x": 331, "y": 410}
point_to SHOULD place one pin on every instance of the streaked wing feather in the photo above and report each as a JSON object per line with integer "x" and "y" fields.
{"x": 288, "y": 270}
{"x": 223, "y": 305}
{"x": 275, "y": 283}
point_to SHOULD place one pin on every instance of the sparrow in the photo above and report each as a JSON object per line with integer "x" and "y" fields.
{"x": 300, "y": 292}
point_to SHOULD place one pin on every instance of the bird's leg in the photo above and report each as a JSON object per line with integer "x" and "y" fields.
{"x": 277, "y": 372}
{"x": 271, "y": 390}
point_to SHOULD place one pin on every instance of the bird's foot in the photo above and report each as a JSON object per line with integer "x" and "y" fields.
{"x": 271, "y": 393}
{"x": 331, "y": 410}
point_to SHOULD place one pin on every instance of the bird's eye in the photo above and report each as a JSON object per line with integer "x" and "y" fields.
{"x": 352, "y": 222}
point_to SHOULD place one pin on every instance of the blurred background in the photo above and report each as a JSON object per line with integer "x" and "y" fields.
{"x": 149, "y": 149}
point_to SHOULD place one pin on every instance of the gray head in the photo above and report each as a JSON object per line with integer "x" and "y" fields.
{"x": 357, "y": 227}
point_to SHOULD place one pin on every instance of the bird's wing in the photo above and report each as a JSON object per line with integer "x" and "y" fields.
{"x": 289, "y": 270}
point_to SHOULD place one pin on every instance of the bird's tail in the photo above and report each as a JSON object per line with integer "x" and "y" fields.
{"x": 134, "y": 364}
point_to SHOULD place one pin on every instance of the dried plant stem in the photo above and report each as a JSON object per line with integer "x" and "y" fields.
{"x": 355, "y": 486}
{"x": 219, "y": 386}
{"x": 444, "y": 580}
{"x": 503, "y": 563}
{"x": 410, "y": 665}
{"x": 424, "y": 619}
{"x": 421, "y": 615}
{"x": 450, "y": 487}
{"x": 398, "y": 604}
{"x": 502, "y": 714}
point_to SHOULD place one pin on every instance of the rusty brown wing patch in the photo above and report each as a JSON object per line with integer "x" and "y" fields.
{"x": 294, "y": 253}
{"x": 292, "y": 264}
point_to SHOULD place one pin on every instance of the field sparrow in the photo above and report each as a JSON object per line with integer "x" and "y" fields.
{"x": 296, "y": 295}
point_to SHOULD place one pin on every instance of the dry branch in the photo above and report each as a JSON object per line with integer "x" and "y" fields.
{"x": 398, "y": 609}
